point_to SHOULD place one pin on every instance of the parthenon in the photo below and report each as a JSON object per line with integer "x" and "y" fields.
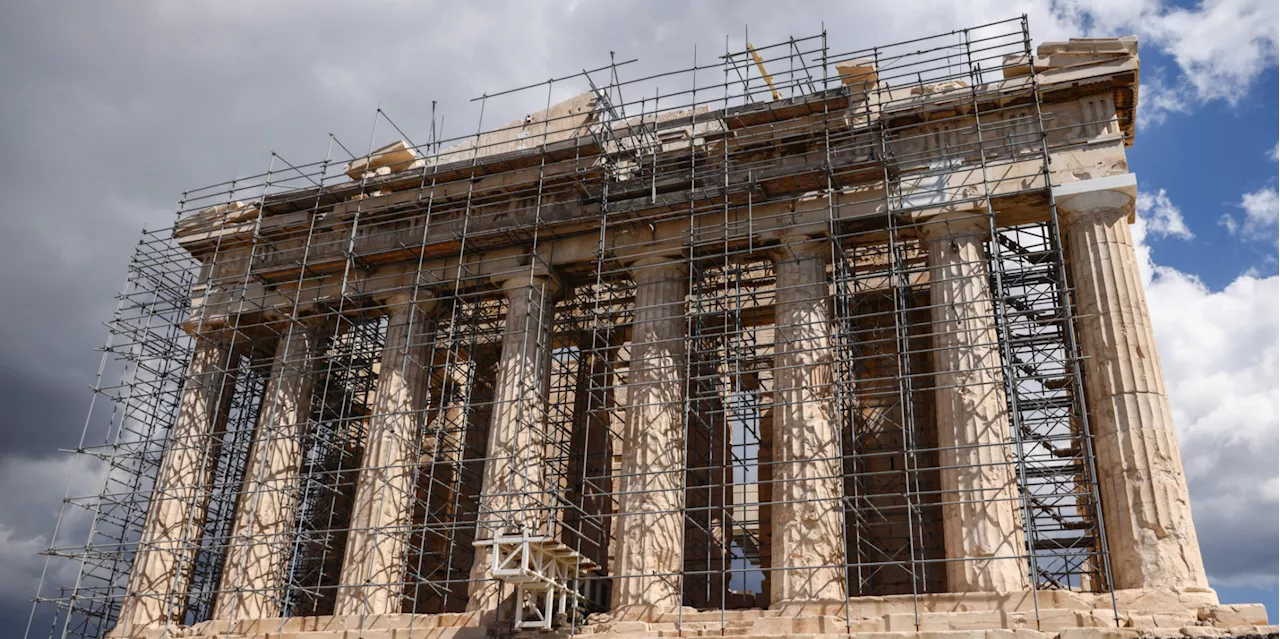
{"x": 811, "y": 343}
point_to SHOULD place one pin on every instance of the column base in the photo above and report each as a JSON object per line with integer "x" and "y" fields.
{"x": 461, "y": 625}
{"x": 1193, "y": 612}
{"x": 1164, "y": 614}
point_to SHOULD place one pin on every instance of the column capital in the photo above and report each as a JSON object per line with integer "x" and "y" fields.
{"x": 951, "y": 223}
{"x": 218, "y": 336}
{"x": 510, "y": 283}
{"x": 1092, "y": 206}
{"x": 1088, "y": 199}
{"x": 801, "y": 246}
{"x": 426, "y": 300}
{"x": 651, "y": 267}
{"x": 306, "y": 317}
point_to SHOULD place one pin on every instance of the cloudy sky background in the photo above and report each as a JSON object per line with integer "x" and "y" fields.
{"x": 110, "y": 110}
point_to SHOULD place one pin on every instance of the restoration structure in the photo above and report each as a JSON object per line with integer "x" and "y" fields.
{"x": 811, "y": 342}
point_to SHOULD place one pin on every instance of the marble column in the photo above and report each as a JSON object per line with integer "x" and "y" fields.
{"x": 514, "y": 498}
{"x": 254, "y": 573}
{"x": 981, "y": 507}
{"x": 1146, "y": 509}
{"x": 162, "y": 569}
{"x": 650, "y": 527}
{"x": 373, "y": 570}
{"x": 807, "y": 540}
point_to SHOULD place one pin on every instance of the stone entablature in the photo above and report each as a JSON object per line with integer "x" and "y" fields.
{"x": 254, "y": 259}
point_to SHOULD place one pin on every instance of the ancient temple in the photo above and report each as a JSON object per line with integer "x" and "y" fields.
{"x": 825, "y": 343}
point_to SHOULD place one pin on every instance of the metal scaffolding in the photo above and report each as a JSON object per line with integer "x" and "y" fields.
{"x": 302, "y": 250}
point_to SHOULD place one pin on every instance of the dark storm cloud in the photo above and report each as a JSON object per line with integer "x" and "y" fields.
{"x": 111, "y": 111}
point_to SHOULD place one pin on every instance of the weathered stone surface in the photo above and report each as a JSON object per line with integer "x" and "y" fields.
{"x": 397, "y": 227}
{"x": 980, "y": 504}
{"x": 1098, "y": 633}
{"x": 808, "y": 518}
{"x": 650, "y": 535}
{"x": 514, "y": 498}
{"x": 1001, "y": 619}
{"x": 561, "y": 121}
{"x": 1233, "y": 615}
{"x": 374, "y": 567}
{"x": 397, "y": 156}
{"x": 258, "y": 551}
{"x": 175, "y": 518}
{"x": 1145, "y": 504}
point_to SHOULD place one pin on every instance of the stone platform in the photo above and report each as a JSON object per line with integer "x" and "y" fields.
{"x": 1063, "y": 615}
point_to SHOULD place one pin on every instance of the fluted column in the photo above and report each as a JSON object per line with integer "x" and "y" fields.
{"x": 162, "y": 569}
{"x": 1146, "y": 508}
{"x": 514, "y": 497}
{"x": 253, "y": 576}
{"x": 807, "y": 548}
{"x": 982, "y": 519}
{"x": 650, "y": 533}
{"x": 373, "y": 570}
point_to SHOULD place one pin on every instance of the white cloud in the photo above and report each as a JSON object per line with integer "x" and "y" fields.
{"x": 1260, "y": 207}
{"x": 1157, "y": 99}
{"x": 1261, "y": 215}
{"x": 1219, "y": 354}
{"x": 1261, "y": 219}
{"x": 1228, "y": 222}
{"x": 1161, "y": 217}
{"x": 1220, "y": 46}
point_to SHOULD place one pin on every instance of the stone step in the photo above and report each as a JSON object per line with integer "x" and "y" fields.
{"x": 1183, "y": 632}
{"x": 1195, "y": 632}
{"x": 712, "y": 616}
{"x": 1155, "y": 618}
{"x": 707, "y": 625}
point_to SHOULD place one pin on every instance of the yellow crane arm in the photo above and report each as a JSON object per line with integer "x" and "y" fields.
{"x": 768, "y": 79}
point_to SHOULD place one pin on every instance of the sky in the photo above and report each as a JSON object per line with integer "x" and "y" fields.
{"x": 110, "y": 110}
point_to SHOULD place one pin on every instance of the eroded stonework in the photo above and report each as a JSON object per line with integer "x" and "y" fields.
{"x": 872, "y": 359}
